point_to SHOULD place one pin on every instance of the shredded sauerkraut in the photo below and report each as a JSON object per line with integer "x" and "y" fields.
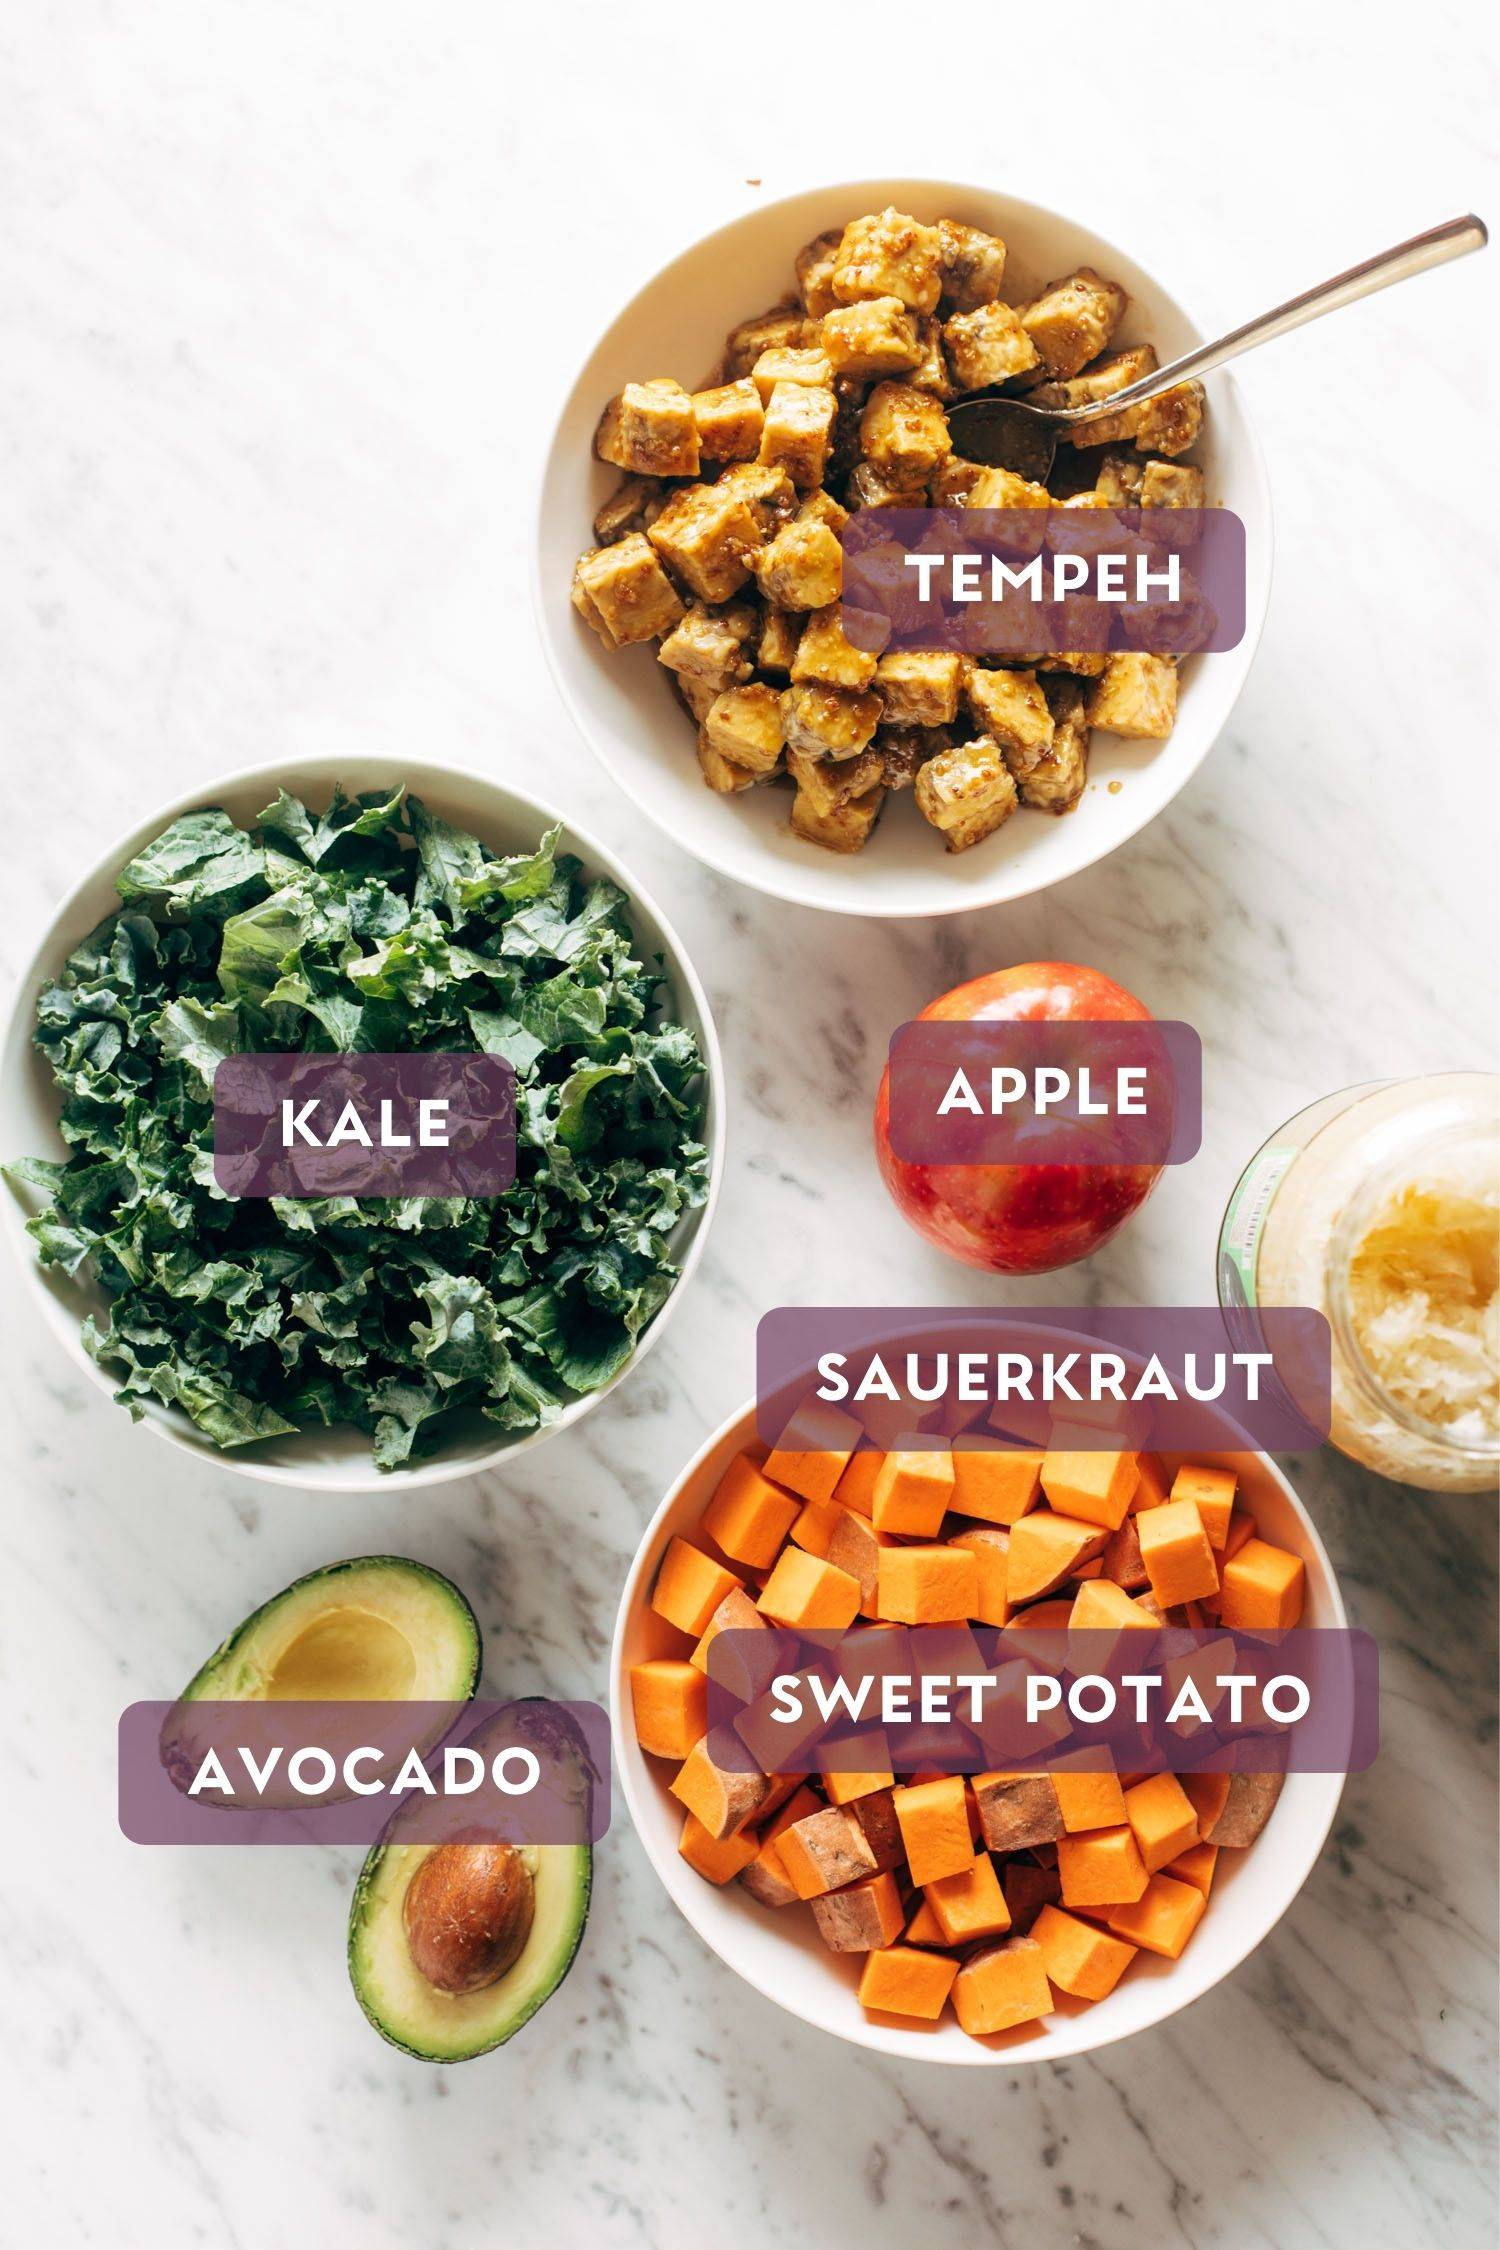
{"x": 1424, "y": 1297}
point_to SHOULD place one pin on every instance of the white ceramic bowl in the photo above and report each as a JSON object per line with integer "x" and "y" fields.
{"x": 779, "y": 1952}
{"x": 625, "y": 709}
{"x": 507, "y": 820}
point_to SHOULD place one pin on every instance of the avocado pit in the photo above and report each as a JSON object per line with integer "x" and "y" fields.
{"x": 468, "y": 1912}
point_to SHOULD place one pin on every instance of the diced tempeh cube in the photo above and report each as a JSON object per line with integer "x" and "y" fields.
{"x": 625, "y": 509}
{"x": 722, "y": 775}
{"x": 1011, "y": 707}
{"x": 973, "y": 265}
{"x": 920, "y": 687}
{"x": 827, "y": 784}
{"x": 878, "y": 337}
{"x": 988, "y": 345}
{"x": 903, "y": 432}
{"x": 967, "y": 792}
{"x": 798, "y": 431}
{"x": 649, "y": 429}
{"x": 769, "y": 491}
{"x": 744, "y": 725}
{"x": 828, "y": 722}
{"x": 873, "y": 487}
{"x": 932, "y": 373}
{"x": 905, "y": 750}
{"x": 1136, "y": 695}
{"x": 1002, "y": 488}
{"x": 624, "y": 593}
{"x": 802, "y": 567}
{"x": 846, "y": 829}
{"x": 1100, "y": 380}
{"x": 1118, "y": 480}
{"x": 1171, "y": 423}
{"x": 710, "y": 644}
{"x": 889, "y": 254}
{"x": 707, "y": 534}
{"x": 955, "y": 480}
{"x": 1017, "y": 1810}
{"x": 823, "y": 653}
{"x": 695, "y": 693}
{"x": 790, "y": 363}
{"x": 815, "y": 261}
{"x": 729, "y": 420}
{"x": 1054, "y": 782}
{"x": 780, "y": 631}
{"x": 1073, "y": 319}
{"x": 784, "y": 324}
{"x": 1168, "y": 484}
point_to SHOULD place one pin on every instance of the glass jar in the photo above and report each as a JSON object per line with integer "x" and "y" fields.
{"x": 1380, "y": 1206}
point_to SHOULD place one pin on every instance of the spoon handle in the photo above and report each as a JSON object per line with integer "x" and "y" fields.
{"x": 1455, "y": 239}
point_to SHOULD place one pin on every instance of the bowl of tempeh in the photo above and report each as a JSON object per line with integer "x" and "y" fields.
{"x": 1021, "y": 1933}
{"x": 688, "y": 561}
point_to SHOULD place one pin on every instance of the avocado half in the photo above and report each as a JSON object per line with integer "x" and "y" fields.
{"x": 377, "y": 1629}
{"x": 447, "y": 2027}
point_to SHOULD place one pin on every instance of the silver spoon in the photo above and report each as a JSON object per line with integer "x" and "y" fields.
{"x": 1009, "y": 433}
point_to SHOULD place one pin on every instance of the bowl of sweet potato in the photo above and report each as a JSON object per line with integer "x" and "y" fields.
{"x": 967, "y": 1918}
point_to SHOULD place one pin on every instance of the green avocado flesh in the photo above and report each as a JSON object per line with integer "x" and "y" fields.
{"x": 446, "y": 2027}
{"x": 377, "y": 1629}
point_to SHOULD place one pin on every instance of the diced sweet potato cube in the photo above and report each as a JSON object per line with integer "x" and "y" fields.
{"x": 1241, "y": 1529}
{"x": 1162, "y": 1919}
{"x": 722, "y": 1797}
{"x": 967, "y": 792}
{"x": 856, "y": 1487}
{"x": 718, "y": 1858}
{"x": 1162, "y": 1819}
{"x": 804, "y": 1591}
{"x": 816, "y": 1525}
{"x": 876, "y": 1814}
{"x": 920, "y": 687}
{"x": 766, "y": 1878}
{"x": 845, "y": 1783}
{"x": 801, "y": 567}
{"x": 707, "y": 646}
{"x": 1001, "y": 1986}
{"x": 1095, "y": 1487}
{"x": 1209, "y": 1794}
{"x": 824, "y": 654}
{"x": 969, "y": 1905}
{"x": 813, "y": 1450}
{"x": 889, "y": 254}
{"x": 825, "y": 1851}
{"x": 1045, "y": 1549}
{"x": 1249, "y": 1801}
{"x": 934, "y": 1822}
{"x": 1196, "y": 1866}
{"x": 926, "y": 1585}
{"x": 1102, "y": 1867}
{"x": 1028, "y": 1888}
{"x": 623, "y": 592}
{"x": 798, "y": 431}
{"x": 860, "y": 1917}
{"x": 1153, "y": 1487}
{"x": 749, "y": 1516}
{"x": 746, "y": 1666}
{"x": 876, "y": 337}
{"x": 993, "y": 1480}
{"x": 972, "y": 265}
{"x": 1088, "y": 1800}
{"x": 1079, "y": 1958}
{"x": 1212, "y": 1494}
{"x": 729, "y": 419}
{"x": 1135, "y": 696}
{"x": 1102, "y": 1607}
{"x": 1262, "y": 1589}
{"x": 904, "y": 1980}
{"x": 989, "y": 1544}
{"x": 913, "y": 1492}
{"x": 1073, "y": 319}
{"x": 689, "y": 1587}
{"x": 1178, "y": 1560}
{"x": 924, "y": 1927}
{"x": 1013, "y": 711}
{"x": 988, "y": 345}
{"x": 1017, "y": 1810}
{"x": 845, "y": 828}
{"x": 707, "y": 535}
{"x": 903, "y": 431}
{"x": 855, "y": 1547}
{"x": 649, "y": 429}
{"x": 669, "y": 1701}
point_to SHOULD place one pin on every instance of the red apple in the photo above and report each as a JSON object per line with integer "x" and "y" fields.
{"x": 1019, "y": 1218}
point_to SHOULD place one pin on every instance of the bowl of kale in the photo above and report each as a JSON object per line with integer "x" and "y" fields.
{"x": 359, "y": 906}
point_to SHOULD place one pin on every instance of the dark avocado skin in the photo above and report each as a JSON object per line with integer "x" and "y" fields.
{"x": 196, "y": 1690}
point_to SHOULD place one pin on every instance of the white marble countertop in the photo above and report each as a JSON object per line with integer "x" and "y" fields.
{"x": 272, "y": 399}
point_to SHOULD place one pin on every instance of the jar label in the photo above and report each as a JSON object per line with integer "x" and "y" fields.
{"x": 1244, "y": 1221}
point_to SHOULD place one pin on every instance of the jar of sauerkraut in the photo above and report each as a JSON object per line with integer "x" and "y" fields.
{"x": 1381, "y": 1206}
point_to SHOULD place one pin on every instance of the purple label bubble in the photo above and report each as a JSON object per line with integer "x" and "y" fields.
{"x": 1085, "y": 1378}
{"x": 1025, "y": 583}
{"x": 1000, "y": 1091}
{"x": 310, "y": 1126}
{"x": 527, "y": 1772}
{"x": 973, "y": 1699}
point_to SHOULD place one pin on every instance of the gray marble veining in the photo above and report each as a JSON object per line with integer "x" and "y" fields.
{"x": 288, "y": 295}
